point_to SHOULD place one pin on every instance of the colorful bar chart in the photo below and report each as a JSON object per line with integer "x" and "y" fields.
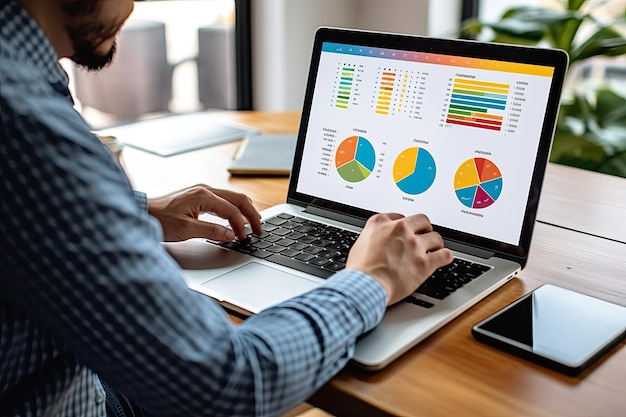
{"x": 385, "y": 92}
{"x": 346, "y": 81}
{"x": 479, "y": 104}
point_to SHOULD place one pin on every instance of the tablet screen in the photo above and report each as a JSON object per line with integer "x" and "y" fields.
{"x": 558, "y": 324}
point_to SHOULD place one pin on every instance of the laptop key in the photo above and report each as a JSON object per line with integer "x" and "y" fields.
{"x": 437, "y": 293}
{"x": 276, "y": 248}
{"x": 261, "y": 253}
{"x": 290, "y": 252}
{"x": 276, "y": 221}
{"x": 335, "y": 266}
{"x": 418, "y": 302}
{"x": 299, "y": 246}
{"x": 272, "y": 238}
{"x": 262, "y": 245}
{"x": 319, "y": 261}
{"x": 300, "y": 266}
{"x": 268, "y": 227}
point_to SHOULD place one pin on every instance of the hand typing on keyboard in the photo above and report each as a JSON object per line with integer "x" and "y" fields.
{"x": 399, "y": 252}
{"x": 178, "y": 213}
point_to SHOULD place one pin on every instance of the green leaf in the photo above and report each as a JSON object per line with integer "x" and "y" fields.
{"x": 524, "y": 31}
{"x": 575, "y": 4}
{"x": 606, "y": 41}
{"x": 542, "y": 15}
{"x": 610, "y": 109}
{"x": 574, "y": 150}
{"x": 472, "y": 27}
{"x": 614, "y": 165}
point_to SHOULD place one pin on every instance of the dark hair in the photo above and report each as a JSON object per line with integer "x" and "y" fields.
{"x": 79, "y": 7}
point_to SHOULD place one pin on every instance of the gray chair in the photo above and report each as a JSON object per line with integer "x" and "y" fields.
{"x": 139, "y": 80}
{"x": 216, "y": 67}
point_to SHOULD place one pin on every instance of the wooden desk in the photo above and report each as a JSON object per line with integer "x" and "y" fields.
{"x": 579, "y": 243}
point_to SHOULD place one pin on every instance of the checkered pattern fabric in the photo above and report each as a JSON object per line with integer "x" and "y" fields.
{"x": 88, "y": 293}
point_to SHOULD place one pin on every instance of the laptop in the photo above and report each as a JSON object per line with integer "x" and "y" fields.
{"x": 458, "y": 130}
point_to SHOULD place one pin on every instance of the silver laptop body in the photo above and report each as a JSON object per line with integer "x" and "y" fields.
{"x": 455, "y": 129}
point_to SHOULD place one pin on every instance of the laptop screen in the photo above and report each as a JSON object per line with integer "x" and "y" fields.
{"x": 451, "y": 135}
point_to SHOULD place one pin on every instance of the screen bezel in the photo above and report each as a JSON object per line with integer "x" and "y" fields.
{"x": 547, "y": 57}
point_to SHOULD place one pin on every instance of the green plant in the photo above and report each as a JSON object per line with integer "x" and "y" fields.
{"x": 591, "y": 131}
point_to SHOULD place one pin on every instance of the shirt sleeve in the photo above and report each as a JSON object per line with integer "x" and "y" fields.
{"x": 141, "y": 199}
{"x": 84, "y": 260}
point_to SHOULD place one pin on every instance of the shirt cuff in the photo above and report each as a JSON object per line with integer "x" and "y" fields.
{"x": 368, "y": 295}
{"x": 141, "y": 199}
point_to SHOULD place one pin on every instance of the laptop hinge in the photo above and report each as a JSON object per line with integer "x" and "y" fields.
{"x": 472, "y": 250}
{"x": 333, "y": 215}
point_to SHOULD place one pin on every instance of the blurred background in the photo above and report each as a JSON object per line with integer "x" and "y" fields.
{"x": 179, "y": 56}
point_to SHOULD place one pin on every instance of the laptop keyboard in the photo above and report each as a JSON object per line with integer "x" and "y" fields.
{"x": 321, "y": 250}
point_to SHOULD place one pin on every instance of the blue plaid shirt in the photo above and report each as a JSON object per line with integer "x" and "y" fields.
{"x": 88, "y": 293}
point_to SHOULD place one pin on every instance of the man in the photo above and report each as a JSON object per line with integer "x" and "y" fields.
{"x": 94, "y": 315}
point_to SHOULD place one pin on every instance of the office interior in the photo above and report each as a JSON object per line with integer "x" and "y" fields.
{"x": 180, "y": 56}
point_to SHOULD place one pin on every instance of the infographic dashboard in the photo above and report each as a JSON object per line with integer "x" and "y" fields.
{"x": 449, "y": 136}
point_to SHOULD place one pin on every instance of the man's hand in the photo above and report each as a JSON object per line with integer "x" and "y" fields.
{"x": 178, "y": 213}
{"x": 399, "y": 252}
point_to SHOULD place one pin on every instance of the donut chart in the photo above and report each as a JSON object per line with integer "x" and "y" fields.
{"x": 355, "y": 159}
{"x": 414, "y": 170}
{"x": 478, "y": 183}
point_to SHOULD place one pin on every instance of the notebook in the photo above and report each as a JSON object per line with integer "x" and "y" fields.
{"x": 264, "y": 155}
{"x": 455, "y": 129}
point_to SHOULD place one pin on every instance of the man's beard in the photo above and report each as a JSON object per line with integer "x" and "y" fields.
{"x": 87, "y": 34}
{"x": 85, "y": 57}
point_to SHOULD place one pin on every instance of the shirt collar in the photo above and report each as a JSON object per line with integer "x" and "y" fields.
{"x": 22, "y": 34}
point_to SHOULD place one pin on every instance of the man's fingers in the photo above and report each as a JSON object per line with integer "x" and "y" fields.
{"x": 235, "y": 205}
{"x": 212, "y": 231}
{"x": 441, "y": 256}
{"x": 419, "y": 223}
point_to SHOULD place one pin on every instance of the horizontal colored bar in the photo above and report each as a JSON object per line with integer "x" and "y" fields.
{"x": 342, "y": 101}
{"x": 459, "y": 117}
{"x": 382, "y": 112}
{"x": 481, "y": 94}
{"x": 476, "y": 109}
{"x": 474, "y": 119}
{"x": 462, "y": 113}
{"x": 344, "y": 97}
{"x": 487, "y": 116}
{"x": 474, "y": 103}
{"x": 347, "y": 79}
{"x": 393, "y": 74}
{"x": 481, "y": 83}
{"x": 479, "y": 99}
{"x": 439, "y": 59}
{"x": 489, "y": 122}
{"x": 485, "y": 89}
{"x": 348, "y": 69}
{"x": 459, "y": 122}
{"x": 341, "y": 107}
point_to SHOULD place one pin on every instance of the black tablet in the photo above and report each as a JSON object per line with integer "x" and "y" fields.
{"x": 555, "y": 327}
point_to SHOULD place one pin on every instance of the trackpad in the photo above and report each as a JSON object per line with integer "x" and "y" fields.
{"x": 255, "y": 287}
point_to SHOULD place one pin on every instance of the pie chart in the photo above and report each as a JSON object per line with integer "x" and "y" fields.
{"x": 414, "y": 170}
{"x": 355, "y": 159}
{"x": 478, "y": 183}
